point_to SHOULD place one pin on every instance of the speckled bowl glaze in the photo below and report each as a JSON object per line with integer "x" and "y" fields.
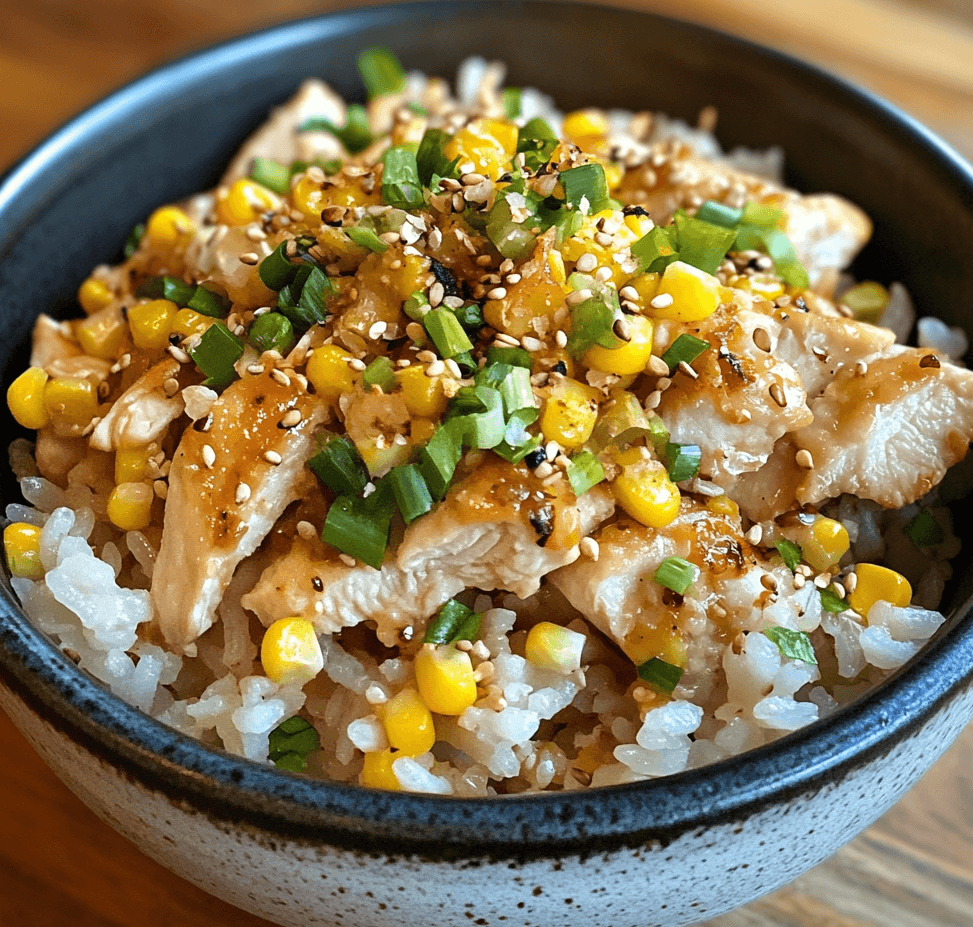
{"x": 667, "y": 852}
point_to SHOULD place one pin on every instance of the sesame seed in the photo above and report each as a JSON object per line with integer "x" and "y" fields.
{"x": 587, "y": 263}
{"x": 242, "y": 493}
{"x": 604, "y": 239}
{"x": 484, "y": 260}
{"x": 761, "y": 338}
{"x": 589, "y": 548}
{"x": 255, "y": 233}
{"x": 622, "y": 329}
{"x": 416, "y": 332}
{"x": 453, "y": 368}
{"x": 209, "y": 456}
{"x": 249, "y": 257}
{"x": 629, "y": 292}
{"x": 436, "y": 294}
{"x": 578, "y": 296}
{"x": 822, "y": 580}
{"x": 291, "y": 418}
{"x": 560, "y": 339}
{"x": 532, "y": 344}
{"x": 603, "y": 274}
{"x": 347, "y": 561}
{"x": 171, "y": 387}
{"x": 255, "y": 369}
{"x": 272, "y": 457}
{"x": 658, "y": 367}
{"x": 777, "y": 394}
{"x": 498, "y": 292}
{"x": 427, "y": 357}
{"x": 851, "y": 581}
{"x": 662, "y": 301}
{"x": 278, "y": 376}
{"x": 356, "y": 364}
{"x": 768, "y": 582}
{"x": 804, "y": 459}
{"x": 686, "y": 369}
{"x": 480, "y": 650}
{"x": 553, "y": 478}
{"x": 179, "y": 354}
{"x": 507, "y": 340}
{"x": 377, "y": 329}
{"x": 552, "y": 449}
{"x": 799, "y": 580}
{"x": 652, "y": 400}
{"x": 512, "y": 278}
{"x": 929, "y": 360}
{"x": 755, "y": 534}
{"x": 160, "y": 488}
{"x": 543, "y": 470}
{"x": 804, "y": 570}
{"x": 458, "y": 203}
{"x": 436, "y": 368}
{"x": 663, "y": 383}
{"x": 465, "y": 646}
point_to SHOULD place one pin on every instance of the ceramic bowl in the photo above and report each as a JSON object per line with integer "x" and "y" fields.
{"x": 666, "y": 852}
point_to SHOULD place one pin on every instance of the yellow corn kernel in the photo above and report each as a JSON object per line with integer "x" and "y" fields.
{"x": 504, "y": 131}
{"x": 188, "y": 322}
{"x": 377, "y": 771}
{"x": 329, "y": 372}
{"x": 695, "y": 293}
{"x": 130, "y": 463}
{"x": 664, "y": 641}
{"x": 290, "y": 652}
{"x": 408, "y": 723}
{"x": 101, "y": 334}
{"x": 554, "y": 647}
{"x": 825, "y": 543}
{"x": 555, "y": 264}
{"x": 151, "y": 323}
{"x": 587, "y": 128}
{"x": 306, "y": 196}
{"x": 424, "y": 396}
{"x": 25, "y": 398}
{"x": 22, "y": 545}
{"x": 643, "y": 489}
{"x": 570, "y": 413}
{"x": 723, "y": 505}
{"x": 878, "y": 584}
{"x": 130, "y": 506}
{"x": 244, "y": 203}
{"x": 421, "y": 431}
{"x": 631, "y": 357}
{"x": 444, "y": 677}
{"x": 647, "y": 286}
{"x": 483, "y": 151}
{"x": 169, "y": 229}
{"x": 70, "y": 400}
{"x": 94, "y": 295}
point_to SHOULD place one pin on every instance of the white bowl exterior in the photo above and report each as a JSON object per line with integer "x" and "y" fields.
{"x": 300, "y": 883}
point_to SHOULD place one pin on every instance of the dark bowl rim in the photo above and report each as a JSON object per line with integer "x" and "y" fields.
{"x": 230, "y": 789}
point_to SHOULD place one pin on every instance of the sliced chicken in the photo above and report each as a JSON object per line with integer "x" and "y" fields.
{"x": 228, "y": 485}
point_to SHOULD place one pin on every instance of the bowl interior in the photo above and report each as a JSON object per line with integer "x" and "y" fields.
{"x": 70, "y": 205}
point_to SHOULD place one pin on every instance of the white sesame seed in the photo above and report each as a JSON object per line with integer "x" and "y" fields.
{"x": 272, "y": 457}
{"x": 629, "y": 292}
{"x": 178, "y": 353}
{"x": 587, "y": 263}
{"x": 658, "y": 367}
{"x": 686, "y": 369}
{"x": 589, "y": 548}
{"x": 512, "y": 279}
{"x": 453, "y": 368}
{"x": 377, "y": 329}
{"x": 508, "y": 340}
{"x": 553, "y": 478}
{"x": 799, "y": 580}
{"x": 242, "y": 493}
{"x": 578, "y": 296}
{"x": 652, "y": 400}
{"x": 851, "y": 581}
{"x": 291, "y": 418}
{"x": 435, "y": 369}
{"x": 436, "y": 294}
{"x": 347, "y": 561}
{"x": 552, "y": 449}
{"x": 560, "y": 339}
{"x": 755, "y": 534}
{"x": 416, "y": 332}
{"x": 426, "y": 357}
{"x": 356, "y": 364}
{"x": 209, "y": 456}
{"x": 804, "y": 459}
{"x": 498, "y": 292}
{"x": 278, "y": 376}
{"x": 532, "y": 344}
{"x": 822, "y": 580}
{"x": 255, "y": 369}
{"x": 662, "y": 301}
{"x": 171, "y": 387}
{"x": 603, "y": 274}
{"x": 161, "y": 488}
{"x": 543, "y": 470}
{"x": 249, "y": 257}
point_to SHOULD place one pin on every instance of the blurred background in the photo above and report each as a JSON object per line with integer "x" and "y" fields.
{"x": 59, "y": 863}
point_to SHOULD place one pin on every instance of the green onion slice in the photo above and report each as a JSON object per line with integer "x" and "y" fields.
{"x": 438, "y": 459}
{"x": 454, "y": 622}
{"x": 718, "y": 214}
{"x": 790, "y": 553}
{"x": 380, "y": 71}
{"x": 272, "y": 332}
{"x": 171, "y": 288}
{"x": 663, "y": 676}
{"x": 276, "y": 270}
{"x": 536, "y": 141}
{"x": 133, "y": 240}
{"x": 360, "y": 527}
{"x": 591, "y": 323}
{"x": 339, "y": 465}
{"x": 924, "y": 530}
{"x": 431, "y": 160}
{"x": 304, "y": 300}
{"x": 206, "y": 302}
{"x": 272, "y": 175}
{"x": 446, "y": 332}
{"x": 381, "y": 373}
{"x": 355, "y": 135}
{"x": 401, "y": 185}
{"x": 411, "y": 493}
{"x": 676, "y": 574}
{"x": 623, "y": 422}
{"x": 217, "y": 352}
{"x": 584, "y": 471}
{"x": 795, "y": 645}
{"x": 702, "y": 244}
{"x": 654, "y": 251}
{"x": 291, "y": 742}
{"x": 516, "y": 453}
{"x": 586, "y": 188}
{"x": 685, "y": 349}
{"x": 484, "y": 428}
{"x": 512, "y": 98}
{"x": 514, "y": 240}
{"x": 515, "y": 357}
{"x": 682, "y": 461}
{"x": 366, "y": 238}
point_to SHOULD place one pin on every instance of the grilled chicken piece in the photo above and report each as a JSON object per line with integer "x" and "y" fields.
{"x": 225, "y": 495}
{"x": 488, "y": 533}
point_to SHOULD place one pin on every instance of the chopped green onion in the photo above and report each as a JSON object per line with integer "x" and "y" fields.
{"x": 431, "y": 160}
{"x": 291, "y": 742}
{"x": 654, "y": 251}
{"x": 761, "y": 214}
{"x": 516, "y": 453}
{"x": 272, "y": 175}
{"x": 416, "y": 306}
{"x": 470, "y": 317}
{"x": 790, "y": 553}
{"x": 514, "y": 240}
{"x": 536, "y": 141}
{"x": 591, "y": 322}
{"x": 795, "y": 645}
{"x": 401, "y": 186}
{"x": 380, "y": 71}
{"x": 512, "y": 97}
{"x": 272, "y": 332}
{"x": 924, "y": 530}
{"x": 867, "y": 300}
{"x": 832, "y": 602}
{"x": 454, "y": 622}
{"x": 586, "y": 185}
{"x": 584, "y": 471}
{"x": 310, "y": 307}
{"x": 702, "y": 244}
{"x": 719, "y": 214}
{"x": 518, "y": 394}
{"x": 171, "y": 288}
{"x": 380, "y": 373}
{"x": 625, "y": 421}
{"x": 206, "y": 302}
{"x": 446, "y": 333}
{"x": 676, "y": 574}
{"x": 682, "y": 461}
{"x": 366, "y": 237}
{"x": 290, "y": 762}
{"x": 217, "y": 352}
{"x": 661, "y": 675}
{"x": 133, "y": 240}
{"x": 356, "y": 135}
{"x": 438, "y": 459}
{"x": 339, "y": 466}
{"x": 478, "y": 412}
{"x": 515, "y": 357}
{"x": 360, "y": 527}
{"x": 685, "y": 349}
{"x": 411, "y": 493}
{"x": 276, "y": 270}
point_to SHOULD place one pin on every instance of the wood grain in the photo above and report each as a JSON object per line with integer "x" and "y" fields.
{"x": 59, "y": 863}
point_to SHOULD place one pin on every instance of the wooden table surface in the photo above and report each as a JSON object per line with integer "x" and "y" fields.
{"x": 58, "y": 863}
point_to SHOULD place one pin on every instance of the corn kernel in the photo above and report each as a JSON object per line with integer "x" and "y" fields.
{"x": 130, "y": 463}
{"x": 444, "y": 677}
{"x": 101, "y": 334}
{"x": 421, "y": 431}
{"x": 377, "y": 771}
{"x": 307, "y": 197}
{"x": 408, "y": 723}
{"x": 723, "y": 505}
{"x": 587, "y": 128}
{"x": 188, "y": 322}
{"x": 169, "y": 229}
{"x": 130, "y": 506}
{"x": 70, "y": 400}
{"x": 643, "y": 489}
{"x": 290, "y": 652}
{"x": 151, "y": 323}
{"x": 94, "y": 295}
{"x": 631, "y": 356}
{"x": 664, "y": 641}
{"x": 555, "y": 264}
{"x": 825, "y": 543}
{"x": 25, "y": 397}
{"x": 647, "y": 286}
{"x": 22, "y": 545}
{"x": 695, "y": 293}
{"x": 424, "y": 396}
{"x": 554, "y": 647}
{"x": 486, "y": 153}
{"x": 244, "y": 203}
{"x": 878, "y": 584}
{"x": 570, "y": 413}
{"x": 329, "y": 372}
